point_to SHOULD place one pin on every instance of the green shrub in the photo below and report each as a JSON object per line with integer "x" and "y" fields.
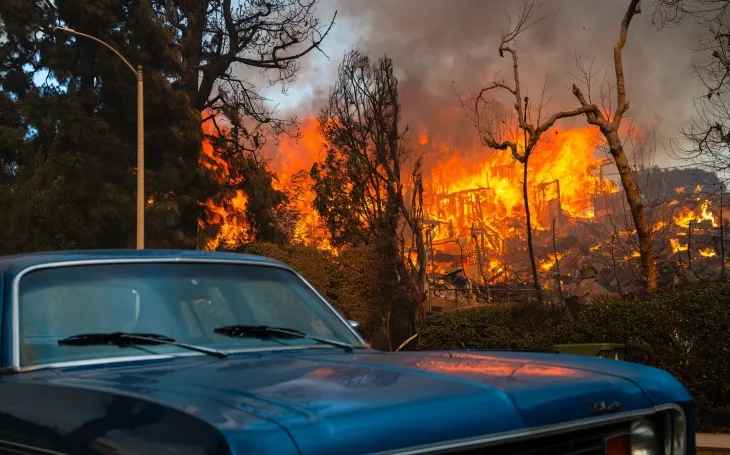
{"x": 359, "y": 294}
{"x": 686, "y": 333}
{"x": 499, "y": 326}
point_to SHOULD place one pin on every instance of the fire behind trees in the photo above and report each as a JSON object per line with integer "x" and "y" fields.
{"x": 67, "y": 111}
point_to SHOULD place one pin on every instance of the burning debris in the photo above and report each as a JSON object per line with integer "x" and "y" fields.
{"x": 596, "y": 256}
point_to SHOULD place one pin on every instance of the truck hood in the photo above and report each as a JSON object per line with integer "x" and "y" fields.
{"x": 331, "y": 402}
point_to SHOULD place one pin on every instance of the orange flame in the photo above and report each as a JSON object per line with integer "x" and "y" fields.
{"x": 287, "y": 158}
{"x": 562, "y": 177}
{"x": 233, "y": 228}
{"x": 468, "y": 190}
{"x": 685, "y": 216}
{"x": 458, "y": 185}
{"x": 676, "y": 246}
{"x": 548, "y": 265}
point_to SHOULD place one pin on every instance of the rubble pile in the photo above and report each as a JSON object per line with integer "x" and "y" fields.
{"x": 596, "y": 256}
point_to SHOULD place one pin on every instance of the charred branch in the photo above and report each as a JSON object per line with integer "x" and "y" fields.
{"x": 498, "y": 131}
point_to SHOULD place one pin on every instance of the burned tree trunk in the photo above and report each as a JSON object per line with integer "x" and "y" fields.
{"x": 557, "y": 265}
{"x": 723, "y": 273}
{"x": 530, "y": 248}
{"x": 636, "y": 207}
{"x": 609, "y": 124}
{"x": 689, "y": 244}
{"x": 613, "y": 260}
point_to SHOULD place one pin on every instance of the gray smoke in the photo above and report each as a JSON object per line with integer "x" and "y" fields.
{"x": 437, "y": 43}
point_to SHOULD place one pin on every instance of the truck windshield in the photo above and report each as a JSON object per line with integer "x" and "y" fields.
{"x": 183, "y": 301}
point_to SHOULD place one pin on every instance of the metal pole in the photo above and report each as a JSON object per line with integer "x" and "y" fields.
{"x": 140, "y": 131}
{"x": 722, "y": 235}
{"x": 140, "y": 159}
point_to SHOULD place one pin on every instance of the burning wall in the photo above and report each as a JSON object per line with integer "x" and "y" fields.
{"x": 485, "y": 188}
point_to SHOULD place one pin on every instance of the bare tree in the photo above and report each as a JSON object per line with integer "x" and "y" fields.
{"x": 609, "y": 123}
{"x": 219, "y": 39}
{"x": 499, "y": 131}
{"x": 707, "y": 138}
{"x": 414, "y": 220}
{"x": 671, "y": 12}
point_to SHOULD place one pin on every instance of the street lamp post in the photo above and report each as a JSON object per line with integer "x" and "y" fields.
{"x": 140, "y": 131}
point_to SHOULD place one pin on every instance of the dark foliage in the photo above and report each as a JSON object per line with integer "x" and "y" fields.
{"x": 686, "y": 333}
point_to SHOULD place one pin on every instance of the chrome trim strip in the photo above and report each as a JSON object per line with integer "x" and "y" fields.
{"x": 26, "y": 448}
{"x": 15, "y": 299}
{"x": 484, "y": 441}
{"x": 674, "y": 407}
{"x": 478, "y": 442}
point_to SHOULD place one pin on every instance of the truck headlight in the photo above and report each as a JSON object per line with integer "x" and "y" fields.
{"x": 664, "y": 433}
{"x": 644, "y": 438}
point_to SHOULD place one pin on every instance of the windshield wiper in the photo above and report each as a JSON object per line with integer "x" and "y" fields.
{"x": 123, "y": 339}
{"x": 266, "y": 332}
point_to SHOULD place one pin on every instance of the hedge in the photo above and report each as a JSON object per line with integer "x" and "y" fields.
{"x": 686, "y": 332}
{"x": 349, "y": 281}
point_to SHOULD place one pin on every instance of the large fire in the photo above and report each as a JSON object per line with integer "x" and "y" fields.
{"x": 473, "y": 200}
{"x": 485, "y": 188}
{"x": 290, "y": 158}
{"x": 228, "y": 215}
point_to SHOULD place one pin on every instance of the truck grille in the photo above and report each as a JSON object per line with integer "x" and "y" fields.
{"x": 583, "y": 442}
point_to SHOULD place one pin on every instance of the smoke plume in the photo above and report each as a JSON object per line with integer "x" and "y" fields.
{"x": 442, "y": 45}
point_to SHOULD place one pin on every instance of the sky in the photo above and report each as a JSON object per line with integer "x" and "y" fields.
{"x": 441, "y": 45}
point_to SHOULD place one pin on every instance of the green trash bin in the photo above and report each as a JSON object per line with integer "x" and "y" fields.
{"x": 614, "y": 351}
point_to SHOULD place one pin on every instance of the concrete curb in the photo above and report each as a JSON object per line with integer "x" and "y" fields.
{"x": 713, "y": 444}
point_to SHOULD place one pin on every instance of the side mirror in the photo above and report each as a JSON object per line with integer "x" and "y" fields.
{"x": 354, "y": 324}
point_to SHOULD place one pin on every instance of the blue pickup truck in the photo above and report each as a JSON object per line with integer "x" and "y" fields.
{"x": 199, "y": 353}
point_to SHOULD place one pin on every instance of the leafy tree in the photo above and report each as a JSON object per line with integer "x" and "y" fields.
{"x": 358, "y": 187}
{"x": 88, "y": 107}
{"x": 47, "y": 219}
